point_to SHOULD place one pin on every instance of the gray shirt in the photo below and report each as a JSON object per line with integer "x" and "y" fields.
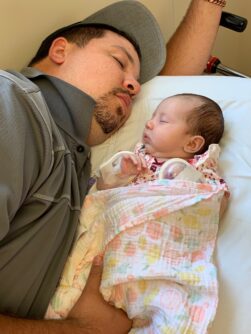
{"x": 44, "y": 173}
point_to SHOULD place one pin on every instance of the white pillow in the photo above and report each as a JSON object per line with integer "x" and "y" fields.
{"x": 233, "y": 251}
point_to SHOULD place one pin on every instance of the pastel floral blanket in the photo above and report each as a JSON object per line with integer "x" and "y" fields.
{"x": 158, "y": 240}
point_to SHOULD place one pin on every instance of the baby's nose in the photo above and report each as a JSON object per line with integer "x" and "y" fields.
{"x": 149, "y": 124}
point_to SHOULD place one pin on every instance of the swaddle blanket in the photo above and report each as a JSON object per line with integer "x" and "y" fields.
{"x": 158, "y": 240}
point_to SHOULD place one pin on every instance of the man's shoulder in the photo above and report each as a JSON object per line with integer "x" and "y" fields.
{"x": 17, "y": 79}
{"x": 20, "y": 93}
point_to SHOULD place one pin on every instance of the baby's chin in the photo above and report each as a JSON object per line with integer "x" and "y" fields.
{"x": 150, "y": 150}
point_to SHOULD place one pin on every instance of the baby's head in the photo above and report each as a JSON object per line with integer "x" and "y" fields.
{"x": 183, "y": 125}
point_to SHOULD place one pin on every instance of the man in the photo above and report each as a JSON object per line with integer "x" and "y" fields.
{"x": 77, "y": 92}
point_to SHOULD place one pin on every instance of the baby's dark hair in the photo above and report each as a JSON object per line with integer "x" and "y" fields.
{"x": 205, "y": 120}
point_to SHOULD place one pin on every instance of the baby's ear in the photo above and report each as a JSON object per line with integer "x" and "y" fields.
{"x": 194, "y": 144}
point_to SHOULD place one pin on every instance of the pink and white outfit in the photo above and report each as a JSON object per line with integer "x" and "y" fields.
{"x": 205, "y": 163}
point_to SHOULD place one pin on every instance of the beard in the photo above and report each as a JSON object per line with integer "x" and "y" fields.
{"x": 108, "y": 115}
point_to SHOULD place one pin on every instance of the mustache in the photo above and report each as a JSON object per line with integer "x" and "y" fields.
{"x": 116, "y": 91}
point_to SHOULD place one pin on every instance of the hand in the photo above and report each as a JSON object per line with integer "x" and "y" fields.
{"x": 93, "y": 313}
{"x": 132, "y": 164}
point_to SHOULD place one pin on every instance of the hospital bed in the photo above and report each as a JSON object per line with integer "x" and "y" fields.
{"x": 232, "y": 255}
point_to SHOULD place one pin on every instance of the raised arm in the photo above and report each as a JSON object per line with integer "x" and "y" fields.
{"x": 190, "y": 47}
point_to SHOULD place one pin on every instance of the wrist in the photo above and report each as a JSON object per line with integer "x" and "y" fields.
{"x": 221, "y": 3}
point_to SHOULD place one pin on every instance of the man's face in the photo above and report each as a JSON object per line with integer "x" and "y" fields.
{"x": 107, "y": 69}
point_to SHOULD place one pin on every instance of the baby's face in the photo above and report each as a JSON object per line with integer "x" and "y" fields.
{"x": 167, "y": 132}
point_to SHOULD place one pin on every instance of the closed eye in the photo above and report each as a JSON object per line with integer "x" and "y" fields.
{"x": 119, "y": 62}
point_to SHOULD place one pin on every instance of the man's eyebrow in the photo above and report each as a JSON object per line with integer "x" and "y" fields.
{"x": 129, "y": 56}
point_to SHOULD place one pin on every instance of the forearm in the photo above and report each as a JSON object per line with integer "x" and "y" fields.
{"x": 90, "y": 315}
{"x": 11, "y": 325}
{"x": 190, "y": 47}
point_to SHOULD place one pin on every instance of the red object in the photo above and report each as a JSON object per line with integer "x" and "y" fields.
{"x": 212, "y": 64}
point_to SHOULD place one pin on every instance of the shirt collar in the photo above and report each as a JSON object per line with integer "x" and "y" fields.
{"x": 70, "y": 107}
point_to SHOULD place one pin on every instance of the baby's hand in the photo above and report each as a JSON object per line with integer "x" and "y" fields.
{"x": 132, "y": 164}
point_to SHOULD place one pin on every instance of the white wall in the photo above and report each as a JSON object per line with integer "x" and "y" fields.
{"x": 24, "y": 23}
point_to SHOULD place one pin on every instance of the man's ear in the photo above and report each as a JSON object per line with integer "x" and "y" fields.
{"x": 57, "y": 50}
{"x": 194, "y": 144}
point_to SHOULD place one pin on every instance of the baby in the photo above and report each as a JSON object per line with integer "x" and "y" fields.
{"x": 182, "y": 133}
{"x": 158, "y": 236}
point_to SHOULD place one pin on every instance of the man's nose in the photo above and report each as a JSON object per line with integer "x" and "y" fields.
{"x": 133, "y": 86}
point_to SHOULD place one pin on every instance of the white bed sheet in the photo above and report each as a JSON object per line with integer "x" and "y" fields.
{"x": 233, "y": 251}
